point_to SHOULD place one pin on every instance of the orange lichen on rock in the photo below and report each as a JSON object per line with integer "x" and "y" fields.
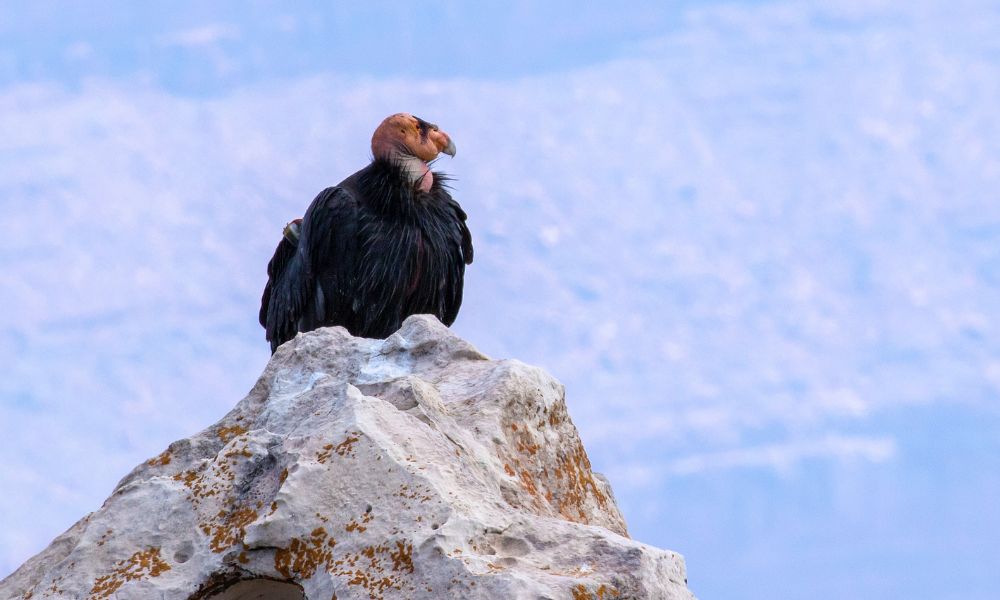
{"x": 402, "y": 558}
{"x": 230, "y": 529}
{"x": 577, "y": 482}
{"x": 162, "y": 460}
{"x": 244, "y": 452}
{"x": 141, "y": 565}
{"x": 528, "y": 448}
{"x": 193, "y": 482}
{"x": 353, "y": 525}
{"x": 347, "y": 445}
{"x": 374, "y": 585}
{"x": 368, "y": 568}
{"x": 227, "y": 433}
{"x": 324, "y": 456}
{"x": 528, "y": 482}
{"x": 374, "y": 577}
{"x": 302, "y": 557}
{"x": 525, "y": 441}
{"x": 104, "y": 537}
{"x": 580, "y": 592}
{"x": 199, "y": 485}
{"x": 613, "y": 593}
{"x": 558, "y": 480}
{"x": 215, "y": 479}
{"x": 406, "y": 492}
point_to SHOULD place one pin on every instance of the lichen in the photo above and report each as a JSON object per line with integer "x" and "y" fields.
{"x": 347, "y": 446}
{"x": 230, "y": 528}
{"x": 143, "y": 564}
{"x": 162, "y": 460}
{"x": 577, "y": 483}
{"x": 402, "y": 558}
{"x": 227, "y": 433}
{"x": 303, "y": 557}
{"x": 353, "y": 524}
{"x": 324, "y": 456}
{"x": 375, "y": 568}
{"x": 601, "y": 592}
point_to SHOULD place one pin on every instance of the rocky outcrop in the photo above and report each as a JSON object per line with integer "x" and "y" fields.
{"x": 411, "y": 467}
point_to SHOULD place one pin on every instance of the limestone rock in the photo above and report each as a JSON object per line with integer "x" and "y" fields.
{"x": 411, "y": 467}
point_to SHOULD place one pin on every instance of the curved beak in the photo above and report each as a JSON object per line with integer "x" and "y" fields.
{"x": 442, "y": 141}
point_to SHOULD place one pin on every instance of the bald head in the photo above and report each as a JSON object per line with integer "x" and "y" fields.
{"x": 402, "y": 135}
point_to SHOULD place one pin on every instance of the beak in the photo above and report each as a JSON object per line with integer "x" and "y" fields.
{"x": 450, "y": 148}
{"x": 442, "y": 141}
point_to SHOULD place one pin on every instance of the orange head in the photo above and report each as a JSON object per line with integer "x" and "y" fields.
{"x": 402, "y": 135}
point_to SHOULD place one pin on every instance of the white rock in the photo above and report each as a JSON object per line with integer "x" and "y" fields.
{"x": 412, "y": 467}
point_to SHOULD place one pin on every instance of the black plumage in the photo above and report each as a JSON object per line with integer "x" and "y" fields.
{"x": 369, "y": 252}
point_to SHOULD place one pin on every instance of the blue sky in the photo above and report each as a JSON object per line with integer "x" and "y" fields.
{"x": 758, "y": 241}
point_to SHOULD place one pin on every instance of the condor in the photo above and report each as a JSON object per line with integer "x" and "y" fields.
{"x": 386, "y": 243}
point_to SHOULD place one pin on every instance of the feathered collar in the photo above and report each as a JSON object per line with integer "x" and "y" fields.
{"x": 389, "y": 187}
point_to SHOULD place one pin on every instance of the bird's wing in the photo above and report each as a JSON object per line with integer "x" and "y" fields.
{"x": 285, "y": 294}
{"x": 307, "y": 278}
{"x": 466, "y": 237}
{"x": 330, "y": 247}
{"x": 275, "y": 267}
{"x": 462, "y": 240}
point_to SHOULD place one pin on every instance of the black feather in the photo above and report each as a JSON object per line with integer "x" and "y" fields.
{"x": 372, "y": 251}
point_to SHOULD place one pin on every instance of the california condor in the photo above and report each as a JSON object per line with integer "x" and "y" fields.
{"x": 386, "y": 243}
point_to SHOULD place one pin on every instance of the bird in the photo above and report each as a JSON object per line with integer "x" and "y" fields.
{"x": 385, "y": 243}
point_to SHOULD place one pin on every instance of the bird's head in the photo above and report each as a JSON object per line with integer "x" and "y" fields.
{"x": 402, "y": 135}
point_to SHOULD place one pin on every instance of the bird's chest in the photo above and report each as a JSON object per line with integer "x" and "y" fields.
{"x": 407, "y": 252}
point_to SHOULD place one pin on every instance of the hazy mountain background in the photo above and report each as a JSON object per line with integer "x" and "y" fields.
{"x": 758, "y": 241}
